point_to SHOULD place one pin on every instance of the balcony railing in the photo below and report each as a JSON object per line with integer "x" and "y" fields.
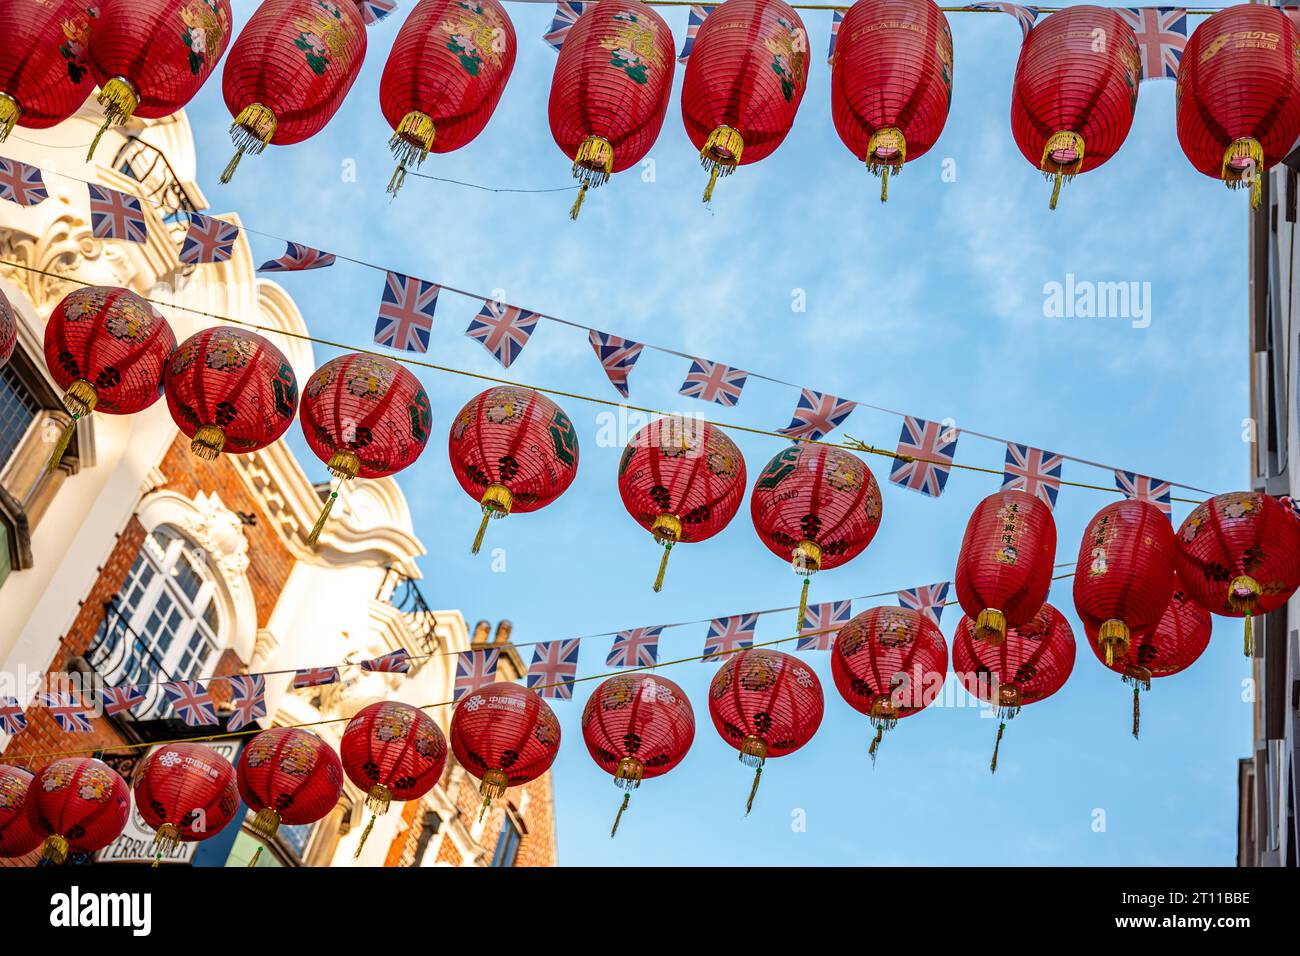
{"x": 403, "y": 593}
{"x": 159, "y": 184}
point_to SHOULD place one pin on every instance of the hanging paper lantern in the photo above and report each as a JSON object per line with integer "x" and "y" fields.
{"x": 444, "y": 77}
{"x": 17, "y": 838}
{"x": 287, "y": 775}
{"x": 1032, "y": 664}
{"x": 288, "y": 72}
{"x": 610, "y": 90}
{"x": 363, "y": 415}
{"x": 682, "y": 480}
{"x": 1004, "y": 570}
{"x": 512, "y": 449}
{"x": 150, "y": 57}
{"x": 891, "y": 82}
{"x": 744, "y": 81}
{"x": 1239, "y": 555}
{"x": 1125, "y": 573}
{"x": 77, "y": 804}
{"x": 889, "y": 663}
{"x": 505, "y": 735}
{"x": 817, "y": 506}
{"x": 1238, "y": 95}
{"x": 637, "y": 726}
{"x": 106, "y": 348}
{"x": 1172, "y": 646}
{"x": 230, "y": 390}
{"x": 187, "y": 793}
{"x": 393, "y": 751}
{"x": 765, "y": 703}
{"x": 8, "y": 330}
{"x": 44, "y": 76}
{"x": 1075, "y": 91}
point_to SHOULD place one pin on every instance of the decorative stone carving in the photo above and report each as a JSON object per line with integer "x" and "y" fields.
{"x": 220, "y": 533}
{"x": 65, "y": 248}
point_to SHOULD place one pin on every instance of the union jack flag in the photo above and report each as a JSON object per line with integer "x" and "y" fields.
{"x": 68, "y": 712}
{"x": 1033, "y": 470}
{"x": 473, "y": 670}
{"x": 191, "y": 702}
{"x": 372, "y": 11}
{"x": 729, "y": 634}
{"x": 837, "y": 17}
{"x": 315, "y": 677}
{"x": 616, "y": 356}
{"x": 121, "y": 700}
{"x": 298, "y": 258}
{"x": 406, "y": 313}
{"x": 1025, "y": 16}
{"x": 1291, "y": 504}
{"x": 566, "y": 15}
{"x": 934, "y": 442}
{"x": 115, "y": 215}
{"x": 817, "y": 415}
{"x": 208, "y": 240}
{"x": 638, "y": 647}
{"x": 12, "y": 719}
{"x": 698, "y": 15}
{"x": 21, "y": 183}
{"x": 1141, "y": 488}
{"x": 714, "y": 382}
{"x": 248, "y": 698}
{"x": 555, "y": 664}
{"x": 394, "y": 662}
{"x": 1162, "y": 37}
{"x": 929, "y": 599}
{"x": 503, "y": 329}
{"x": 818, "y": 616}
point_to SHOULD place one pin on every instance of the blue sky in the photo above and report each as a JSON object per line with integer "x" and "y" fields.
{"x": 932, "y": 304}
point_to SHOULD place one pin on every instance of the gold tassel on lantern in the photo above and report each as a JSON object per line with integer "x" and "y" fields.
{"x": 377, "y": 801}
{"x": 1113, "y": 638}
{"x": 627, "y": 776}
{"x": 1060, "y": 142}
{"x": 1140, "y": 678}
{"x": 497, "y": 502}
{"x": 1243, "y": 592}
{"x": 627, "y": 797}
{"x": 991, "y": 626}
{"x": 753, "y": 752}
{"x": 884, "y": 717}
{"x": 410, "y": 146}
{"x": 165, "y": 839}
{"x": 344, "y": 464}
{"x": 10, "y": 111}
{"x": 721, "y": 155}
{"x": 1250, "y": 155}
{"x": 55, "y": 849}
{"x": 264, "y": 825}
{"x": 493, "y": 785}
{"x": 886, "y": 139}
{"x": 875, "y": 744}
{"x": 667, "y": 530}
{"x": 993, "y": 764}
{"x": 119, "y": 98}
{"x": 806, "y": 559}
{"x": 252, "y": 130}
{"x": 208, "y": 441}
{"x": 80, "y": 400}
{"x": 592, "y": 167}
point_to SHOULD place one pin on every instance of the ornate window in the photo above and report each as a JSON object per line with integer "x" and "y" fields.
{"x": 507, "y": 843}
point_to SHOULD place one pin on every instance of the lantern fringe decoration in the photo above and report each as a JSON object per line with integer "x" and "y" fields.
{"x": 119, "y": 99}
{"x": 264, "y": 824}
{"x": 493, "y": 785}
{"x": 991, "y": 626}
{"x": 627, "y": 777}
{"x": 377, "y": 802}
{"x": 1243, "y": 167}
{"x": 592, "y": 166}
{"x": 997, "y": 742}
{"x": 497, "y": 502}
{"x": 10, "y": 112}
{"x": 80, "y": 400}
{"x": 875, "y": 743}
{"x": 627, "y": 798}
{"x": 890, "y": 137}
{"x": 344, "y": 464}
{"x": 753, "y": 753}
{"x": 410, "y": 146}
{"x": 55, "y": 849}
{"x": 884, "y": 717}
{"x": 1243, "y": 592}
{"x": 806, "y": 561}
{"x": 1113, "y": 636}
{"x": 1061, "y": 141}
{"x": 720, "y": 156}
{"x": 165, "y": 839}
{"x": 208, "y": 441}
{"x": 667, "y": 530}
{"x": 251, "y": 131}
{"x": 1140, "y": 678}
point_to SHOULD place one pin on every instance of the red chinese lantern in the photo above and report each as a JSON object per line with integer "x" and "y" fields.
{"x": 512, "y": 449}
{"x": 818, "y": 506}
{"x": 288, "y": 72}
{"x": 1238, "y": 95}
{"x": 1239, "y": 555}
{"x": 287, "y": 775}
{"x": 637, "y": 726}
{"x": 1004, "y": 570}
{"x": 891, "y": 82}
{"x": 1125, "y": 573}
{"x": 187, "y": 793}
{"x": 1075, "y": 91}
{"x": 393, "y": 751}
{"x": 1172, "y": 646}
{"x": 364, "y": 416}
{"x": 8, "y": 330}
{"x": 610, "y": 90}
{"x": 444, "y": 77}
{"x": 889, "y": 663}
{"x": 150, "y": 57}
{"x": 77, "y": 804}
{"x": 682, "y": 480}
{"x": 744, "y": 81}
{"x": 765, "y": 703}
{"x": 107, "y": 349}
{"x": 44, "y": 76}
{"x": 1032, "y": 664}
{"x": 230, "y": 390}
{"x": 505, "y": 735}
{"x": 17, "y": 838}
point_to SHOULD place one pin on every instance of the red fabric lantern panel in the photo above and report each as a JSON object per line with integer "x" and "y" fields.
{"x": 77, "y": 804}
{"x": 288, "y": 72}
{"x": 17, "y": 838}
{"x": 682, "y": 480}
{"x": 744, "y": 81}
{"x": 765, "y": 703}
{"x": 505, "y": 735}
{"x": 150, "y": 57}
{"x": 1075, "y": 91}
{"x": 44, "y": 74}
{"x": 288, "y": 775}
{"x": 610, "y": 90}
{"x": 230, "y": 390}
{"x": 891, "y": 82}
{"x": 1004, "y": 570}
{"x": 512, "y": 449}
{"x": 187, "y": 793}
{"x": 637, "y": 726}
{"x": 1125, "y": 573}
{"x": 1238, "y": 94}
{"x": 1239, "y": 555}
{"x": 444, "y": 77}
{"x": 8, "y": 330}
